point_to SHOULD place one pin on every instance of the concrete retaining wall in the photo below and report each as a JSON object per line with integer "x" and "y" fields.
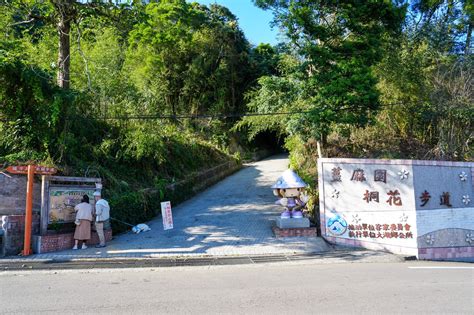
{"x": 208, "y": 177}
{"x": 195, "y": 183}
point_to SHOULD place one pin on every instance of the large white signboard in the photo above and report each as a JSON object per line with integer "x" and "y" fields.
{"x": 397, "y": 205}
{"x": 371, "y": 203}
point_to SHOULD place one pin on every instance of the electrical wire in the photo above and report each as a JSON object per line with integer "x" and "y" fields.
{"x": 221, "y": 116}
{"x": 177, "y": 117}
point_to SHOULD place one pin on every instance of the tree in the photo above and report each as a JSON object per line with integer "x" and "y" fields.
{"x": 446, "y": 24}
{"x": 338, "y": 43}
{"x": 453, "y": 99}
{"x": 189, "y": 58}
{"x": 160, "y": 50}
{"x": 30, "y": 105}
{"x": 62, "y": 14}
{"x": 265, "y": 58}
{"x": 425, "y": 79}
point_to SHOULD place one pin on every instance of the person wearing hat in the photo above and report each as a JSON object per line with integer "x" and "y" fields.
{"x": 102, "y": 215}
{"x": 83, "y": 222}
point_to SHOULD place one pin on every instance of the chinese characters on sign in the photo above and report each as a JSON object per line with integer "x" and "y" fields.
{"x": 394, "y": 198}
{"x": 167, "y": 215}
{"x": 38, "y": 169}
{"x": 444, "y": 200}
{"x": 62, "y": 203}
{"x": 371, "y": 196}
{"x": 18, "y": 169}
{"x": 380, "y": 176}
{"x": 425, "y": 197}
{"x": 399, "y": 230}
{"x": 358, "y": 175}
{"x": 336, "y": 174}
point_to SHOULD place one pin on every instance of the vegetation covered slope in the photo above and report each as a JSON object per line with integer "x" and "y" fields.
{"x": 388, "y": 79}
{"x": 132, "y": 72}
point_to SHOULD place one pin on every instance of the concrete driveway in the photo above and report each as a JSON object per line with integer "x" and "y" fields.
{"x": 234, "y": 217}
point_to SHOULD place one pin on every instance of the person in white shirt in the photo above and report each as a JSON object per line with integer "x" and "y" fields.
{"x": 102, "y": 215}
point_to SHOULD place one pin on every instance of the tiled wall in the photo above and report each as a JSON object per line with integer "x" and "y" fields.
{"x": 58, "y": 242}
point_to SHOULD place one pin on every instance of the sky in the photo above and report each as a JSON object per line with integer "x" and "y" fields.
{"x": 254, "y": 21}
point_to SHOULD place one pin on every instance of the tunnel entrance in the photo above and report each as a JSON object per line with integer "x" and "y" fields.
{"x": 269, "y": 141}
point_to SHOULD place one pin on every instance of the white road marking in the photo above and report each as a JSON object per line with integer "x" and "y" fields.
{"x": 441, "y": 267}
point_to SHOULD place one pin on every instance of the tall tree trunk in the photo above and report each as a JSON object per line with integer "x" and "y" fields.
{"x": 64, "y": 58}
{"x": 66, "y": 13}
{"x": 467, "y": 50}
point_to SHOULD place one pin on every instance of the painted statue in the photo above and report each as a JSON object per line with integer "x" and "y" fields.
{"x": 290, "y": 189}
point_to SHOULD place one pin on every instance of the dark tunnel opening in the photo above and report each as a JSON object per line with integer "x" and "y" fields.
{"x": 270, "y": 141}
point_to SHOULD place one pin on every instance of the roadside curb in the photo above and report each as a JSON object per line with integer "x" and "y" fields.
{"x": 335, "y": 256}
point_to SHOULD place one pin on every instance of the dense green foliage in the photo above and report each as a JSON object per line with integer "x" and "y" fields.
{"x": 374, "y": 78}
{"x": 383, "y": 79}
{"x": 338, "y": 43}
{"x": 33, "y": 105}
{"x": 127, "y": 60}
{"x": 390, "y": 79}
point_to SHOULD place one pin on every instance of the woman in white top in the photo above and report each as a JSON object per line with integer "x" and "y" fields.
{"x": 83, "y": 222}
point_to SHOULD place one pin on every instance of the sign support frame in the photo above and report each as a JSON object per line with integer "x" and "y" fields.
{"x": 49, "y": 182}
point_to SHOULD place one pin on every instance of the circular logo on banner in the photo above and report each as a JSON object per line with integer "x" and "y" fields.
{"x": 336, "y": 224}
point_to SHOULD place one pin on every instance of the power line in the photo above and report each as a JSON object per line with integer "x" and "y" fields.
{"x": 177, "y": 117}
{"x": 216, "y": 116}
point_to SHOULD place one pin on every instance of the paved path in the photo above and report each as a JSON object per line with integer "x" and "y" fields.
{"x": 234, "y": 217}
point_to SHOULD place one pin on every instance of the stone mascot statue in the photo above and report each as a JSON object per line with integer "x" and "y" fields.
{"x": 290, "y": 188}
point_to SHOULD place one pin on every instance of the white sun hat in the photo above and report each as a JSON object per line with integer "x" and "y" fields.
{"x": 289, "y": 179}
{"x": 97, "y": 193}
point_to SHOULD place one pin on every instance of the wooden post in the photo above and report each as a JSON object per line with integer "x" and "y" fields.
{"x": 44, "y": 204}
{"x": 29, "y": 211}
{"x": 318, "y": 146}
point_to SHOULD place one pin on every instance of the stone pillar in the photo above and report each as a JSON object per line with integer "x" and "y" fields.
{"x": 13, "y": 232}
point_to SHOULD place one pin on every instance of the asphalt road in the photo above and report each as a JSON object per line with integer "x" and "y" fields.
{"x": 281, "y": 288}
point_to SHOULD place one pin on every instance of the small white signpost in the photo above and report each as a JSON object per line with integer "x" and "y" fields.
{"x": 167, "y": 215}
